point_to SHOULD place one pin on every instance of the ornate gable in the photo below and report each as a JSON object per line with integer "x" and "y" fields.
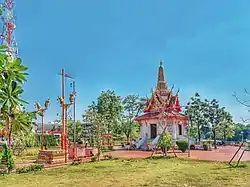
{"x": 162, "y": 95}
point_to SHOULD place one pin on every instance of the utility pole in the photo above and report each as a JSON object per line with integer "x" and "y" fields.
{"x": 63, "y": 112}
{"x": 65, "y": 106}
{"x": 74, "y": 116}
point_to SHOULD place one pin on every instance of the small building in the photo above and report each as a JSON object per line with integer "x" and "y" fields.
{"x": 49, "y": 128}
{"x": 163, "y": 108}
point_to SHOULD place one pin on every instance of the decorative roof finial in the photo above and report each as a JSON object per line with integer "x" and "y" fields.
{"x": 177, "y": 91}
{"x": 152, "y": 90}
{"x": 172, "y": 88}
{"x": 161, "y": 83}
{"x": 161, "y": 63}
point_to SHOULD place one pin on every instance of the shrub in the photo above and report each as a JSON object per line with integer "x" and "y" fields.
{"x": 205, "y": 146}
{"x": 93, "y": 159}
{"x": 22, "y": 139}
{"x": 49, "y": 140}
{"x": 7, "y": 157}
{"x": 210, "y": 142}
{"x": 182, "y": 145}
{"x": 32, "y": 168}
{"x": 166, "y": 141}
{"x": 32, "y": 152}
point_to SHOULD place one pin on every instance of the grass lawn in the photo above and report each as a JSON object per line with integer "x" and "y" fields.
{"x": 30, "y": 154}
{"x": 156, "y": 172}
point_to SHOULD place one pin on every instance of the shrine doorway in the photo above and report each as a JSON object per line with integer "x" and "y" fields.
{"x": 153, "y": 131}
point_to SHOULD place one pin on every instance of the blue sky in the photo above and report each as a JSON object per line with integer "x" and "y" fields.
{"x": 116, "y": 44}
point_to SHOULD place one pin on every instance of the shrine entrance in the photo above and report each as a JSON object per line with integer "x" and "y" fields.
{"x": 153, "y": 131}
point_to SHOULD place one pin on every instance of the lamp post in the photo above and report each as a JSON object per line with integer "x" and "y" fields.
{"x": 63, "y": 76}
{"x": 73, "y": 85}
{"x": 65, "y": 107}
{"x": 42, "y": 111}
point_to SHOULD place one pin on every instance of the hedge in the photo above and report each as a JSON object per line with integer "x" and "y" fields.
{"x": 49, "y": 140}
{"x": 182, "y": 145}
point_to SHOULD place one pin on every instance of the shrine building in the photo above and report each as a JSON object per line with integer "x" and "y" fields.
{"x": 163, "y": 108}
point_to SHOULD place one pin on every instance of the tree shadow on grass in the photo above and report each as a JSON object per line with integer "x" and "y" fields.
{"x": 233, "y": 166}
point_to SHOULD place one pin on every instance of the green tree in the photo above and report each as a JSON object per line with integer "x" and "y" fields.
{"x": 214, "y": 115}
{"x": 13, "y": 75}
{"x": 132, "y": 107}
{"x": 226, "y": 126}
{"x": 87, "y": 133}
{"x": 99, "y": 124}
{"x": 79, "y": 130}
{"x": 109, "y": 105}
{"x": 239, "y": 128}
{"x": 196, "y": 110}
{"x": 23, "y": 121}
{"x": 165, "y": 142}
{"x": 129, "y": 128}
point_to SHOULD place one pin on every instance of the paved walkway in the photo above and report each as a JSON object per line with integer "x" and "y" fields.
{"x": 223, "y": 153}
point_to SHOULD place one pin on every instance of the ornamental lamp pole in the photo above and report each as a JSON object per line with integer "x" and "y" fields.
{"x": 73, "y": 85}
{"x": 65, "y": 106}
{"x": 63, "y": 76}
{"x": 41, "y": 110}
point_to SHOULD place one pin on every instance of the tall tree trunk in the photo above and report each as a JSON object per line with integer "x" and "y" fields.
{"x": 164, "y": 151}
{"x": 214, "y": 133}
{"x": 98, "y": 153}
{"x": 127, "y": 136}
{"x": 98, "y": 146}
{"x": 224, "y": 136}
{"x": 199, "y": 133}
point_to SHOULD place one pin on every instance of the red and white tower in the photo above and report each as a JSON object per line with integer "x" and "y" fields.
{"x": 9, "y": 26}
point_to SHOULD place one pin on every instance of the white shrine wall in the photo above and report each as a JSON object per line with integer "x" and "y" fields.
{"x": 172, "y": 128}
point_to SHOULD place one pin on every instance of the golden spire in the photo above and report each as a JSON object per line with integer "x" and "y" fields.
{"x": 161, "y": 83}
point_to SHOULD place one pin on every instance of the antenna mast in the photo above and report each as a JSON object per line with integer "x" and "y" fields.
{"x": 9, "y": 26}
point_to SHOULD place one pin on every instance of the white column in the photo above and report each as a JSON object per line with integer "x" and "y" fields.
{"x": 142, "y": 127}
{"x": 174, "y": 130}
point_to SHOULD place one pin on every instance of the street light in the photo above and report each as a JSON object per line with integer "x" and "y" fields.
{"x": 65, "y": 107}
{"x": 42, "y": 111}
